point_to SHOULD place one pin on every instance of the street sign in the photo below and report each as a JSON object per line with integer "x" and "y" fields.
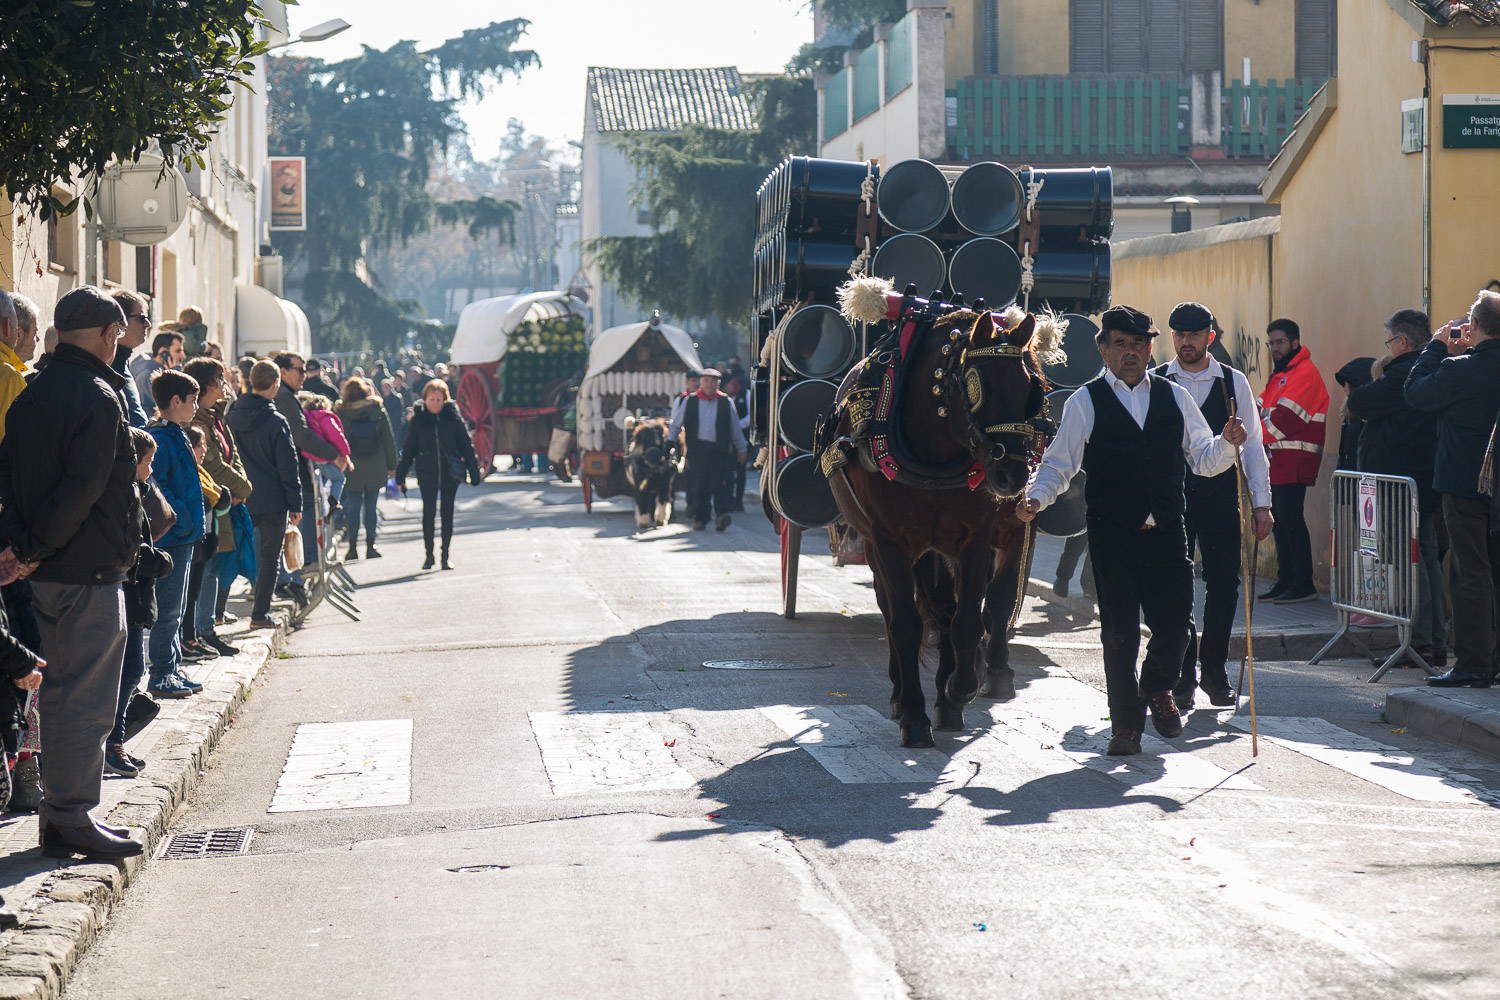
{"x": 1471, "y": 121}
{"x": 1368, "y": 535}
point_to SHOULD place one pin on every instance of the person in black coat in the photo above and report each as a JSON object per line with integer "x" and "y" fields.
{"x": 1350, "y": 377}
{"x": 439, "y": 449}
{"x": 271, "y": 464}
{"x": 1400, "y": 440}
{"x": 1454, "y": 378}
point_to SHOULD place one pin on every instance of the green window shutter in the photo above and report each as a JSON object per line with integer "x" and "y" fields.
{"x": 1205, "y": 36}
{"x": 1087, "y": 29}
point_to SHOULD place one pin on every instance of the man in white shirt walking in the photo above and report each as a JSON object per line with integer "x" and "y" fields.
{"x": 714, "y": 439}
{"x": 1136, "y": 435}
{"x": 1212, "y": 518}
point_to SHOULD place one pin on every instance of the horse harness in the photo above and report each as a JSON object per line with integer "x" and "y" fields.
{"x": 871, "y": 404}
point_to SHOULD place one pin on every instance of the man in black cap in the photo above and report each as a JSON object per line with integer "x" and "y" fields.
{"x": 68, "y": 520}
{"x": 714, "y": 439}
{"x": 1136, "y": 435}
{"x": 1212, "y": 519}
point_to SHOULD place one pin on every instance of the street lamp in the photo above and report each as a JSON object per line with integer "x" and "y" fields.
{"x": 1182, "y": 212}
{"x": 317, "y": 33}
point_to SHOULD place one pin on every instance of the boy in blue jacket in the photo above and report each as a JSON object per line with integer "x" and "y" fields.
{"x": 174, "y": 470}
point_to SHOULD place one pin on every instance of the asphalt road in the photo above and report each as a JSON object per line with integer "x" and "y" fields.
{"x": 534, "y": 787}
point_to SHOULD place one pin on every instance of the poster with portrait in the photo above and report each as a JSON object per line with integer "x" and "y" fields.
{"x": 288, "y": 193}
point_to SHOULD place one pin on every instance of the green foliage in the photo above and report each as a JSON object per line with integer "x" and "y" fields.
{"x": 857, "y": 15}
{"x": 84, "y": 82}
{"x": 372, "y": 128}
{"x": 700, "y": 189}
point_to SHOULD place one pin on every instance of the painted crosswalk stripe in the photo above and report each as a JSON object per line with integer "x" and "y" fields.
{"x": 346, "y": 765}
{"x": 607, "y": 752}
{"x": 855, "y": 744}
{"x": 1389, "y": 767}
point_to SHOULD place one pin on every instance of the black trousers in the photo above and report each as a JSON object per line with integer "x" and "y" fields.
{"x": 269, "y": 529}
{"x": 1140, "y": 573}
{"x": 1293, "y": 547}
{"x": 708, "y": 475}
{"x": 433, "y": 494}
{"x": 1474, "y": 582}
{"x": 1213, "y": 522}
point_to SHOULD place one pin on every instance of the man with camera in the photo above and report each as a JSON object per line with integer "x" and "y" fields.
{"x": 1455, "y": 377}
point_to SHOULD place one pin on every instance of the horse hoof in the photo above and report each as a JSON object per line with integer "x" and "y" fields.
{"x": 959, "y": 697}
{"x": 950, "y": 718}
{"x": 916, "y": 734}
{"x": 1000, "y": 686}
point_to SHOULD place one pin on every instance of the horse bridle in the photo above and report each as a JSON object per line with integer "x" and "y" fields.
{"x": 961, "y": 381}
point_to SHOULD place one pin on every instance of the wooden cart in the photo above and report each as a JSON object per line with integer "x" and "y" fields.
{"x": 634, "y": 370}
{"x": 502, "y": 424}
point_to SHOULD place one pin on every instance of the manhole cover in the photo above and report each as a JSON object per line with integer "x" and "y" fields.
{"x": 208, "y": 843}
{"x": 765, "y": 664}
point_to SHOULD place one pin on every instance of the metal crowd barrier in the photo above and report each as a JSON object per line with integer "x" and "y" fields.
{"x": 1374, "y": 559}
{"x": 327, "y": 579}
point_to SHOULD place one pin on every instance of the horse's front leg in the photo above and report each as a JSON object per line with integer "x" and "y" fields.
{"x": 903, "y": 629}
{"x": 936, "y": 595}
{"x": 999, "y": 680}
{"x": 973, "y": 575}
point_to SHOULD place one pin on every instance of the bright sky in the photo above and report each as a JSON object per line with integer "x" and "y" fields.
{"x": 758, "y": 36}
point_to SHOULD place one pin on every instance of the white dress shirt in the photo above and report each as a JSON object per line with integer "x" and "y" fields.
{"x": 708, "y": 420}
{"x": 1252, "y": 453}
{"x": 1206, "y": 453}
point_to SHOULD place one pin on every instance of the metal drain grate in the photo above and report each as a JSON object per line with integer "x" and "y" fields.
{"x": 208, "y": 843}
{"x": 765, "y": 664}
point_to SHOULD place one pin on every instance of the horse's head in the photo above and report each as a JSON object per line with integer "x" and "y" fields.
{"x": 648, "y": 442}
{"x": 993, "y": 388}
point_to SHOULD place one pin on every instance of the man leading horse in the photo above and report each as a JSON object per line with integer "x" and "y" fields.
{"x": 1136, "y": 435}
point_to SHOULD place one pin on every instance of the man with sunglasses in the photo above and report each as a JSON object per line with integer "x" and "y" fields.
{"x": 166, "y": 354}
{"x": 137, "y": 325}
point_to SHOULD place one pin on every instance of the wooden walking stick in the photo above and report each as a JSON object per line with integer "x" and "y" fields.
{"x": 1249, "y": 584}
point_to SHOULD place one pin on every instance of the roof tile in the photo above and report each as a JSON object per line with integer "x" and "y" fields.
{"x": 668, "y": 100}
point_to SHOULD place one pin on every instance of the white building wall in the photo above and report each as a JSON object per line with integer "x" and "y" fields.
{"x": 199, "y": 265}
{"x": 607, "y": 210}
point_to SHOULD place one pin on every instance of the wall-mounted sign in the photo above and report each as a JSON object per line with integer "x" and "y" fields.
{"x": 1413, "y": 125}
{"x": 288, "y": 193}
{"x": 1471, "y": 121}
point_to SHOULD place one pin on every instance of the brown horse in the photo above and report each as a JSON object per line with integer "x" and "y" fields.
{"x": 971, "y": 387}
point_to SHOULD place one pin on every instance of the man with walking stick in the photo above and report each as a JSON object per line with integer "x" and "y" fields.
{"x": 1212, "y": 518}
{"x": 1136, "y": 435}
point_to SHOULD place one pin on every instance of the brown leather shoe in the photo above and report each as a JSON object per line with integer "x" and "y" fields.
{"x": 1164, "y": 714}
{"x": 1124, "y": 743}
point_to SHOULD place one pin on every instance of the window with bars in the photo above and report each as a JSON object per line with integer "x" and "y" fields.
{"x": 1146, "y": 36}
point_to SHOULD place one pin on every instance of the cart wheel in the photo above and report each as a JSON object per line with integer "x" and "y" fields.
{"x": 791, "y": 552}
{"x": 477, "y": 405}
{"x": 588, "y": 495}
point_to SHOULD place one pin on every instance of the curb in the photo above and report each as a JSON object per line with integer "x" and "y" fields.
{"x": 1287, "y": 644}
{"x": 1436, "y": 714}
{"x": 63, "y": 920}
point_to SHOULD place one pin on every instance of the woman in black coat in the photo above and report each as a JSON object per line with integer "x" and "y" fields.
{"x": 439, "y": 450}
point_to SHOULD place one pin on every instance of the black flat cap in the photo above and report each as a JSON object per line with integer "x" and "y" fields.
{"x": 1190, "y": 316}
{"x": 1127, "y": 320}
{"x": 86, "y": 308}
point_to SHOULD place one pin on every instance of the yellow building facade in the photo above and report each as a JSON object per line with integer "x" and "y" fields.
{"x": 1351, "y": 246}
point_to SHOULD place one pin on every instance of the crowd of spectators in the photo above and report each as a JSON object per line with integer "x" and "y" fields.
{"x": 138, "y": 482}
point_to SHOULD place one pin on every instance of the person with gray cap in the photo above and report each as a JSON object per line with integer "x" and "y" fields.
{"x": 714, "y": 439}
{"x": 1212, "y": 513}
{"x": 1136, "y": 435}
{"x": 69, "y": 517}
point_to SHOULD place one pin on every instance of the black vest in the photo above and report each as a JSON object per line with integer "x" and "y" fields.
{"x": 723, "y": 437}
{"x": 1134, "y": 472}
{"x": 1215, "y": 410}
